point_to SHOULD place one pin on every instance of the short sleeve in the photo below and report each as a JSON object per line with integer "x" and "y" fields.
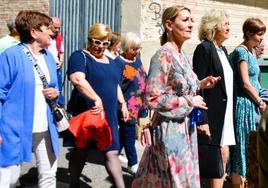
{"x": 76, "y": 63}
{"x": 240, "y": 54}
{"x": 120, "y": 67}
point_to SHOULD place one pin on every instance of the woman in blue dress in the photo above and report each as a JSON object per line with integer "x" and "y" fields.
{"x": 248, "y": 99}
{"x": 96, "y": 81}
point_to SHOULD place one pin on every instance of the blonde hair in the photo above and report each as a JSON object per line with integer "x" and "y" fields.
{"x": 130, "y": 40}
{"x": 115, "y": 39}
{"x": 99, "y": 31}
{"x": 170, "y": 13}
{"x": 210, "y": 23}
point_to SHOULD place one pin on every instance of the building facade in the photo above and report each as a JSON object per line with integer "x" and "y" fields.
{"x": 140, "y": 16}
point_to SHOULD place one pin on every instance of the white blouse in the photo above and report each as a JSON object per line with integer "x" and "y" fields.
{"x": 40, "y": 123}
{"x": 227, "y": 137}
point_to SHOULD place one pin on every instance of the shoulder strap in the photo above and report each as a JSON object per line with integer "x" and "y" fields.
{"x": 85, "y": 59}
{"x": 38, "y": 70}
{"x": 243, "y": 46}
{"x": 85, "y": 64}
{"x": 36, "y": 66}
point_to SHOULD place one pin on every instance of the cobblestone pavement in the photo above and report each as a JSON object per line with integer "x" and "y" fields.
{"x": 94, "y": 174}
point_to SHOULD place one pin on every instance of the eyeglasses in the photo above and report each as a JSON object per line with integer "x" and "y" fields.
{"x": 100, "y": 43}
{"x": 136, "y": 49}
{"x": 259, "y": 48}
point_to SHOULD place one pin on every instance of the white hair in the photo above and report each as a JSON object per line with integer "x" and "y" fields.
{"x": 130, "y": 40}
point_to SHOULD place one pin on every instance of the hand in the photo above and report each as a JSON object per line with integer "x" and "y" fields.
{"x": 199, "y": 102}
{"x": 124, "y": 111}
{"x": 203, "y": 129}
{"x": 1, "y": 140}
{"x": 262, "y": 106}
{"x": 146, "y": 139}
{"x": 98, "y": 108}
{"x": 50, "y": 93}
{"x": 209, "y": 82}
{"x": 59, "y": 64}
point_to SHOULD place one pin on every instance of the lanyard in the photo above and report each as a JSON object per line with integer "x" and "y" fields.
{"x": 38, "y": 69}
{"x": 36, "y": 66}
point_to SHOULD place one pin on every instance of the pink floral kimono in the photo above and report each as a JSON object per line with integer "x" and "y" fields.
{"x": 172, "y": 160}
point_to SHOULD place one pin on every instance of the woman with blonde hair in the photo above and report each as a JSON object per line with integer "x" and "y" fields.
{"x": 115, "y": 46}
{"x": 211, "y": 58}
{"x": 171, "y": 86}
{"x": 247, "y": 70}
{"x": 96, "y": 83}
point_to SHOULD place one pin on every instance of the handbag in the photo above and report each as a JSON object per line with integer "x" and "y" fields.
{"x": 210, "y": 161}
{"x": 60, "y": 115}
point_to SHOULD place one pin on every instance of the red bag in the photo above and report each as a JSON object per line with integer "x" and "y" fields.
{"x": 87, "y": 126}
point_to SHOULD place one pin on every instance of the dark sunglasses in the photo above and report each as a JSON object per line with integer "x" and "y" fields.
{"x": 100, "y": 43}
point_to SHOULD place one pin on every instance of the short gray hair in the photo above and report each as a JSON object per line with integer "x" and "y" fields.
{"x": 130, "y": 40}
{"x": 11, "y": 23}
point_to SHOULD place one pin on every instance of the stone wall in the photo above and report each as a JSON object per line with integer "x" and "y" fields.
{"x": 238, "y": 11}
{"x": 10, "y": 8}
{"x": 144, "y": 17}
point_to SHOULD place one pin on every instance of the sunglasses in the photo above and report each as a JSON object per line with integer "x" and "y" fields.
{"x": 259, "y": 48}
{"x": 100, "y": 43}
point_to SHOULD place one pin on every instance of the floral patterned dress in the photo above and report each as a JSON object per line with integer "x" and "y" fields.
{"x": 172, "y": 160}
{"x": 245, "y": 120}
{"x": 133, "y": 87}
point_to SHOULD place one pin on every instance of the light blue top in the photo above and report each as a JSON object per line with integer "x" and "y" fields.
{"x": 6, "y": 42}
{"x": 17, "y": 93}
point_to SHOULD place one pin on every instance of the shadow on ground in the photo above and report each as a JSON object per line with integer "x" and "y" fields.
{"x": 30, "y": 179}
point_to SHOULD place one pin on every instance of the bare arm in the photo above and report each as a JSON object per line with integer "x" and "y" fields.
{"x": 121, "y": 98}
{"x": 250, "y": 90}
{"x": 60, "y": 62}
{"x": 79, "y": 81}
{"x": 123, "y": 103}
{"x": 61, "y": 58}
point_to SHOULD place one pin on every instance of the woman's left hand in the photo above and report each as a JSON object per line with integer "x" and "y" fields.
{"x": 262, "y": 107}
{"x": 209, "y": 82}
{"x": 50, "y": 93}
{"x": 199, "y": 102}
{"x": 124, "y": 111}
{"x": 203, "y": 129}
